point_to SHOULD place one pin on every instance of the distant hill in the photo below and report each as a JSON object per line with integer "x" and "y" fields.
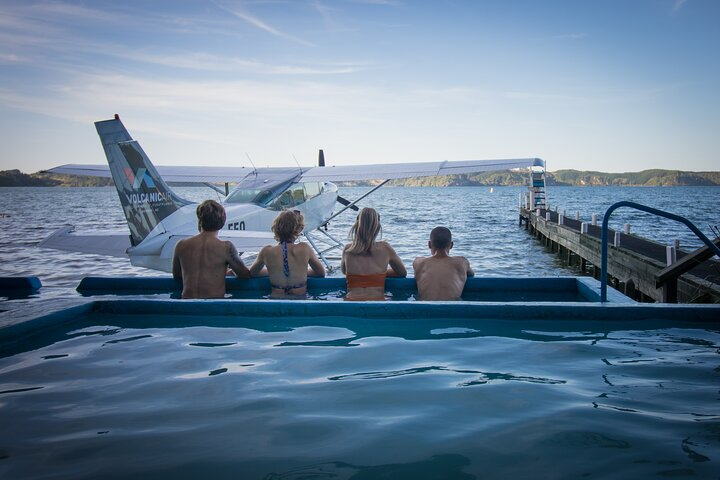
{"x": 646, "y": 178}
{"x": 15, "y": 178}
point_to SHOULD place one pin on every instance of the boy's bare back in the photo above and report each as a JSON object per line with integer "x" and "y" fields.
{"x": 441, "y": 278}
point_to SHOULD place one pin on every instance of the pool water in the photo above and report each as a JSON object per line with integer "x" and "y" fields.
{"x": 114, "y": 394}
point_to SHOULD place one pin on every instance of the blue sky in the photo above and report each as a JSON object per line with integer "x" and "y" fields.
{"x": 613, "y": 85}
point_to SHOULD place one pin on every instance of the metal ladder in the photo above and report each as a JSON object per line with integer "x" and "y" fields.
{"x": 604, "y": 252}
{"x": 538, "y": 198}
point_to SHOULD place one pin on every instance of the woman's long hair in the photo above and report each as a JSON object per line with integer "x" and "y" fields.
{"x": 364, "y": 232}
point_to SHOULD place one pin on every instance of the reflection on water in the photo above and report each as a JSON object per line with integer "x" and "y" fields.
{"x": 284, "y": 398}
{"x": 446, "y": 466}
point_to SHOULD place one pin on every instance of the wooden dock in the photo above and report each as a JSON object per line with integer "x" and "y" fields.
{"x": 636, "y": 266}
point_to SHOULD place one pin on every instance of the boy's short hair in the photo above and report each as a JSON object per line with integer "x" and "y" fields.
{"x": 441, "y": 237}
{"x": 288, "y": 225}
{"x": 211, "y": 216}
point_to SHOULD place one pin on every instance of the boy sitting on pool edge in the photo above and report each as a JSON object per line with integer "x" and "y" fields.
{"x": 440, "y": 276}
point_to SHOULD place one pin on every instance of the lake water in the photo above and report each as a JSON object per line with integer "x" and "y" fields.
{"x": 484, "y": 224}
{"x": 161, "y": 396}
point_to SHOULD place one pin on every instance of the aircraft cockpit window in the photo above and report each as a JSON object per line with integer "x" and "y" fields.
{"x": 312, "y": 189}
{"x": 242, "y": 196}
{"x": 291, "y": 197}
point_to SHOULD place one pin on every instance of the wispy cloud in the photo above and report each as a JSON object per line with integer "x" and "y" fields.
{"x": 215, "y": 63}
{"x": 678, "y": 5}
{"x": 262, "y": 25}
{"x": 10, "y": 58}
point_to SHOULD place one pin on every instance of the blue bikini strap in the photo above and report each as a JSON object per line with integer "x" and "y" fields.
{"x": 286, "y": 267}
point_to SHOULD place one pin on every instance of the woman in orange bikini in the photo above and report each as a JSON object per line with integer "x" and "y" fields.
{"x": 287, "y": 262}
{"x": 365, "y": 261}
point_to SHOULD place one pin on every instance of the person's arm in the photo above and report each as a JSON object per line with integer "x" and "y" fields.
{"x": 176, "y": 267}
{"x": 316, "y": 267}
{"x": 235, "y": 262}
{"x": 470, "y": 272}
{"x": 257, "y": 269}
{"x": 397, "y": 269}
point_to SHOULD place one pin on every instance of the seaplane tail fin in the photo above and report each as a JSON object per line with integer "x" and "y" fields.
{"x": 145, "y": 197}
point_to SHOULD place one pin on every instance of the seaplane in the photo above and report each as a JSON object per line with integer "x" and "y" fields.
{"x": 158, "y": 218}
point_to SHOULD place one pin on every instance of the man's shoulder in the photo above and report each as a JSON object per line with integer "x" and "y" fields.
{"x": 419, "y": 260}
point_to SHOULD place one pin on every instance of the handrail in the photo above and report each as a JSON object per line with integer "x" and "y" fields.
{"x": 654, "y": 211}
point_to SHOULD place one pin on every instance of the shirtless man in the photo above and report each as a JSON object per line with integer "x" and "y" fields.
{"x": 201, "y": 262}
{"x": 288, "y": 264}
{"x": 440, "y": 276}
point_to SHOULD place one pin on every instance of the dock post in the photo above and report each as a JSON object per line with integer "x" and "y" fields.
{"x": 617, "y": 239}
{"x": 594, "y": 219}
{"x": 547, "y": 216}
{"x": 630, "y": 289}
{"x": 670, "y": 255}
{"x": 584, "y": 228}
{"x": 627, "y": 229}
{"x": 577, "y": 216}
{"x": 561, "y": 219}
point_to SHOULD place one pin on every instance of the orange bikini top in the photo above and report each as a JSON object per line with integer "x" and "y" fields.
{"x": 366, "y": 281}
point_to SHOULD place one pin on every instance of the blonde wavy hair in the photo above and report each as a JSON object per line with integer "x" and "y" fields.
{"x": 364, "y": 232}
{"x": 288, "y": 225}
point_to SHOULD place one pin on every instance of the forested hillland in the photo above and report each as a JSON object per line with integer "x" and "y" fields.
{"x": 646, "y": 178}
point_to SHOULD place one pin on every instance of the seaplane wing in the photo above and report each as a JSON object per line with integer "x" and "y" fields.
{"x": 172, "y": 174}
{"x": 391, "y": 171}
{"x": 338, "y": 173}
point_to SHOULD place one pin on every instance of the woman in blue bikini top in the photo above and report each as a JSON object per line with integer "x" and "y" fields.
{"x": 288, "y": 264}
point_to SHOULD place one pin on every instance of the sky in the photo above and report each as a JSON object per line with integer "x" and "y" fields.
{"x": 612, "y": 85}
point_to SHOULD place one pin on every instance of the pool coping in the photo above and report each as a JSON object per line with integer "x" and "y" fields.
{"x": 317, "y": 313}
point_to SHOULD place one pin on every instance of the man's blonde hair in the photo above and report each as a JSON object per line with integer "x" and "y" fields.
{"x": 288, "y": 225}
{"x": 364, "y": 232}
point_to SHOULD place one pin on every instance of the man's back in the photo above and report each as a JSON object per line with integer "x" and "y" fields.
{"x": 441, "y": 277}
{"x": 203, "y": 260}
